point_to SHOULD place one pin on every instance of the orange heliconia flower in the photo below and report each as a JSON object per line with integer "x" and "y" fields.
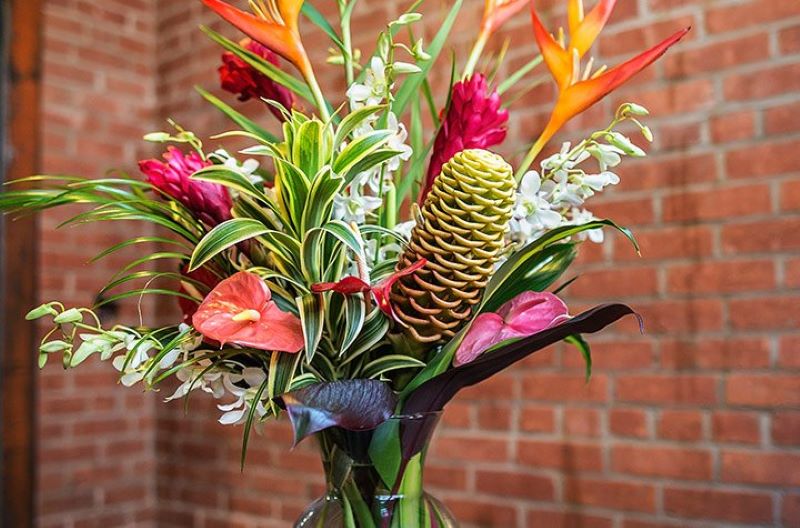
{"x": 578, "y": 88}
{"x": 273, "y": 23}
{"x": 497, "y": 12}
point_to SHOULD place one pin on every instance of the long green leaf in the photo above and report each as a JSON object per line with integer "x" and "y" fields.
{"x": 384, "y": 364}
{"x": 236, "y": 117}
{"x": 224, "y": 236}
{"x": 312, "y": 316}
{"x": 411, "y": 86}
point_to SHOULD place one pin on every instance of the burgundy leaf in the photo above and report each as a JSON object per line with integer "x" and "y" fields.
{"x": 432, "y": 395}
{"x": 355, "y": 405}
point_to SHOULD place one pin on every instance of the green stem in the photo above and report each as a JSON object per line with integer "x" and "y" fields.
{"x": 411, "y": 494}
{"x": 348, "y": 43}
{"x": 476, "y": 52}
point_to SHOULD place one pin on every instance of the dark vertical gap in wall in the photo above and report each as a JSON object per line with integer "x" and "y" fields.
{"x": 21, "y": 77}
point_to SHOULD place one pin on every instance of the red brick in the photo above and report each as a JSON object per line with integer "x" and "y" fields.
{"x": 535, "y": 419}
{"x": 612, "y": 355}
{"x": 763, "y": 236}
{"x": 626, "y": 212}
{"x": 734, "y": 126}
{"x": 680, "y": 425}
{"x": 776, "y": 469}
{"x": 714, "y": 354}
{"x": 790, "y": 352}
{"x": 673, "y": 171}
{"x": 572, "y": 456}
{"x": 664, "y": 389}
{"x": 581, "y": 422}
{"x": 746, "y": 14}
{"x": 790, "y": 196}
{"x": 735, "y": 427}
{"x": 778, "y": 119}
{"x": 636, "y": 40}
{"x": 767, "y": 390}
{"x": 677, "y": 463}
{"x": 789, "y": 39}
{"x": 710, "y": 504}
{"x": 671, "y": 317}
{"x": 771, "y": 313}
{"x": 764, "y": 159}
{"x": 564, "y": 387}
{"x": 603, "y": 284}
{"x": 628, "y": 423}
{"x": 459, "y": 447}
{"x": 786, "y": 428}
{"x": 514, "y": 484}
{"x": 481, "y": 513}
{"x": 616, "y": 495}
{"x": 494, "y": 417}
{"x": 790, "y": 513}
{"x": 557, "y": 519}
{"x": 717, "y": 203}
{"x": 677, "y": 98}
{"x": 722, "y": 277}
{"x": 660, "y": 244}
{"x": 718, "y": 56}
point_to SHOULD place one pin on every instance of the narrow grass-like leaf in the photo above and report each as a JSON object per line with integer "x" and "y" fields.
{"x": 384, "y": 364}
{"x": 245, "y": 123}
{"x": 251, "y": 416}
{"x": 519, "y": 74}
{"x": 583, "y": 347}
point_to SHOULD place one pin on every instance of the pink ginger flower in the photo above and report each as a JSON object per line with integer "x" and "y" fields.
{"x": 209, "y": 202}
{"x": 238, "y": 77}
{"x": 526, "y": 314}
{"x": 475, "y": 119}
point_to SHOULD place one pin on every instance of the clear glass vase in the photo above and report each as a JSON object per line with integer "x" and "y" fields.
{"x": 374, "y": 478}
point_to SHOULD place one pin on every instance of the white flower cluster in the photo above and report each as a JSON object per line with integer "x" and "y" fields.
{"x": 555, "y": 196}
{"x": 365, "y": 194}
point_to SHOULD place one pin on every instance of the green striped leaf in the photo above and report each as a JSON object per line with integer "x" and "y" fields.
{"x": 379, "y": 367}
{"x": 312, "y": 316}
{"x": 224, "y": 236}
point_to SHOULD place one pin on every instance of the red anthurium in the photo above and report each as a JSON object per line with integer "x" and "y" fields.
{"x": 351, "y": 285}
{"x": 240, "y": 311}
{"x": 579, "y": 89}
{"x": 524, "y": 315}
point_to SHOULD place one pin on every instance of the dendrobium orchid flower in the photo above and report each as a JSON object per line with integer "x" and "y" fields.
{"x": 351, "y": 285}
{"x": 580, "y": 88}
{"x": 240, "y": 311}
{"x": 238, "y": 77}
{"x": 526, "y": 314}
{"x": 211, "y": 202}
{"x": 273, "y": 23}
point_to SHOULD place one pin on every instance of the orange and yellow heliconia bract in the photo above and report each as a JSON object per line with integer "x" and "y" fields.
{"x": 579, "y": 89}
{"x": 273, "y": 23}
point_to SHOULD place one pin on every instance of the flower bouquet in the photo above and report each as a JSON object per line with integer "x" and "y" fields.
{"x": 354, "y": 271}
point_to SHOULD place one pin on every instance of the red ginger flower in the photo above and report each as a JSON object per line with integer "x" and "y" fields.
{"x": 210, "y": 202}
{"x": 240, "y": 310}
{"x": 238, "y": 77}
{"x": 474, "y": 120}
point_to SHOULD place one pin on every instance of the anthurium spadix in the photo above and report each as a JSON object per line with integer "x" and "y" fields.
{"x": 579, "y": 88}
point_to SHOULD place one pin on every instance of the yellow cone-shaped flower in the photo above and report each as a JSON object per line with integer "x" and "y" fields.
{"x": 461, "y": 234}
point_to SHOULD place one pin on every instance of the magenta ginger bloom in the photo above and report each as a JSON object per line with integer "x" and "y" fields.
{"x": 238, "y": 77}
{"x": 209, "y": 202}
{"x": 474, "y": 120}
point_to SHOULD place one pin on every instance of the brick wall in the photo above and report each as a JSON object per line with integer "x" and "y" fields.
{"x": 96, "y": 441}
{"x": 694, "y": 424}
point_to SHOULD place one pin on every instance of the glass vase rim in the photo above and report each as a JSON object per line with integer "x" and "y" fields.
{"x": 416, "y": 416}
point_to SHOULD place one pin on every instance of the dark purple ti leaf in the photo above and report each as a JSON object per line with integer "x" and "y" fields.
{"x": 355, "y": 405}
{"x": 432, "y": 395}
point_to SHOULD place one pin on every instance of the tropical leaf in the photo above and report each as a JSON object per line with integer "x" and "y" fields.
{"x": 360, "y": 148}
{"x": 354, "y": 405}
{"x": 353, "y": 120}
{"x": 319, "y": 206}
{"x": 224, "y": 236}
{"x": 319, "y": 20}
{"x": 520, "y": 263}
{"x": 434, "y": 393}
{"x": 384, "y": 364}
{"x": 312, "y": 315}
{"x": 583, "y": 347}
{"x": 242, "y": 121}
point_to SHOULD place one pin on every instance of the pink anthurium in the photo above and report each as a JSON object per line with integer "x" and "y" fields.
{"x": 239, "y": 310}
{"x": 524, "y": 315}
{"x": 351, "y": 285}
